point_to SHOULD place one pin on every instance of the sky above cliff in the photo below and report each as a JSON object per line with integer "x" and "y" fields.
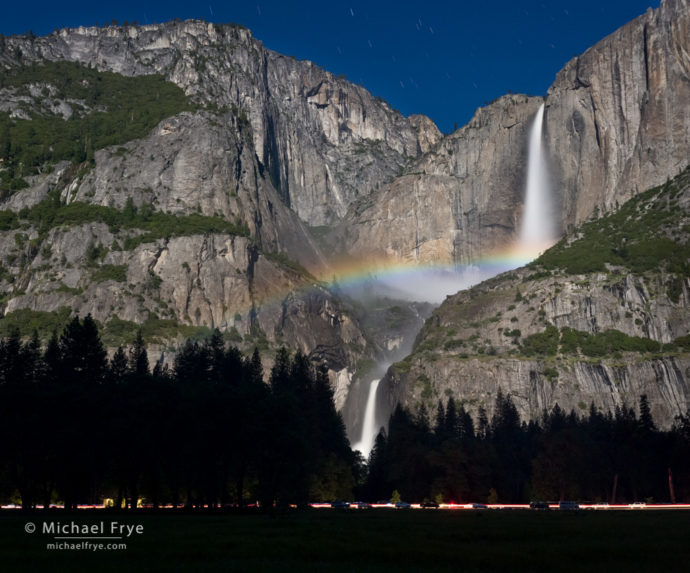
{"x": 443, "y": 59}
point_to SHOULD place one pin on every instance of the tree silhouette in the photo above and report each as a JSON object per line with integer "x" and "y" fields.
{"x": 138, "y": 363}
{"x": 78, "y": 428}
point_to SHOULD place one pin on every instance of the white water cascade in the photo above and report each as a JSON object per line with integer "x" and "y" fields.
{"x": 369, "y": 429}
{"x": 537, "y": 232}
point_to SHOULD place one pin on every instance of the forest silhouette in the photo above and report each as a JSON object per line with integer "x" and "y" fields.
{"x": 78, "y": 427}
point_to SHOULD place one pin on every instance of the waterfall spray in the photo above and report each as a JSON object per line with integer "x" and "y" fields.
{"x": 537, "y": 218}
{"x": 369, "y": 429}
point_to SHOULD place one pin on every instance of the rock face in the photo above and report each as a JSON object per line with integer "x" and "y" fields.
{"x": 468, "y": 350}
{"x": 607, "y": 384}
{"x": 456, "y": 202}
{"x": 618, "y": 117}
{"x": 322, "y": 140}
{"x": 276, "y": 145}
{"x": 280, "y": 146}
{"x": 617, "y": 121}
{"x": 547, "y": 336}
{"x": 199, "y": 163}
{"x": 202, "y": 280}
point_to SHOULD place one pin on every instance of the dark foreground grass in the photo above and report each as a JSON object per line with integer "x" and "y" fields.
{"x": 376, "y": 540}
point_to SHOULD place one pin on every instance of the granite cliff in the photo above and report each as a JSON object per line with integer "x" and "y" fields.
{"x": 221, "y": 212}
{"x": 267, "y": 143}
{"x": 454, "y": 203}
{"x": 617, "y": 121}
{"x": 322, "y": 140}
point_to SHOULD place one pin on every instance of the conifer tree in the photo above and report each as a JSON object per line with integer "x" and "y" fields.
{"x": 451, "y": 426}
{"x": 440, "y": 425}
{"x": 118, "y": 367}
{"x": 138, "y": 363}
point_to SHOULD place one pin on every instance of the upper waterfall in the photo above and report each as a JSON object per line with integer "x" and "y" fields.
{"x": 538, "y": 227}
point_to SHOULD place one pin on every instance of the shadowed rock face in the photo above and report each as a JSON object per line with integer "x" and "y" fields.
{"x": 464, "y": 349}
{"x": 608, "y": 385}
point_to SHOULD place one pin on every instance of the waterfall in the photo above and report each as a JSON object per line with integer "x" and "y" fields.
{"x": 537, "y": 218}
{"x": 369, "y": 429}
{"x": 538, "y": 232}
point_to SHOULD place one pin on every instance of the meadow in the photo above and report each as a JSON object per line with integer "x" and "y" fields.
{"x": 364, "y": 540}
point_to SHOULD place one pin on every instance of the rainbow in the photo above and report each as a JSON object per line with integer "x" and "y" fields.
{"x": 353, "y": 271}
{"x": 426, "y": 281}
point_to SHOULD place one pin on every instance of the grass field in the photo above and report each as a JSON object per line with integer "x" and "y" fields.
{"x": 365, "y": 540}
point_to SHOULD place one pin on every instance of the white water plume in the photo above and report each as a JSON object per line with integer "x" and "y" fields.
{"x": 369, "y": 429}
{"x": 538, "y": 229}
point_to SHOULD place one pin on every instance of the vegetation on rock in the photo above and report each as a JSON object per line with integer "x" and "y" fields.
{"x": 647, "y": 233}
{"x": 52, "y": 212}
{"x": 106, "y": 109}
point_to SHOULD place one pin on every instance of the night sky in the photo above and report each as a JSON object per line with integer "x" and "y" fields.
{"x": 440, "y": 58}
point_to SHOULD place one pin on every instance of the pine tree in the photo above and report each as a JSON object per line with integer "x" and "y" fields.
{"x": 12, "y": 367}
{"x": 138, "y": 363}
{"x": 465, "y": 424}
{"x": 4, "y": 142}
{"x": 646, "y": 421}
{"x": 280, "y": 373}
{"x": 118, "y": 366}
{"x": 32, "y": 357}
{"x": 301, "y": 376}
{"x": 422, "y": 419}
{"x": 482, "y": 423}
{"x": 254, "y": 369}
{"x": 440, "y": 426}
{"x": 451, "y": 418}
{"x": 82, "y": 356}
{"x": 190, "y": 363}
{"x": 377, "y": 484}
{"x": 52, "y": 360}
{"x": 215, "y": 349}
{"x": 233, "y": 366}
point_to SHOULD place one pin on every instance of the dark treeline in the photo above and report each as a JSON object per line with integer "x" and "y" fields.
{"x": 445, "y": 455}
{"x": 76, "y": 427}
